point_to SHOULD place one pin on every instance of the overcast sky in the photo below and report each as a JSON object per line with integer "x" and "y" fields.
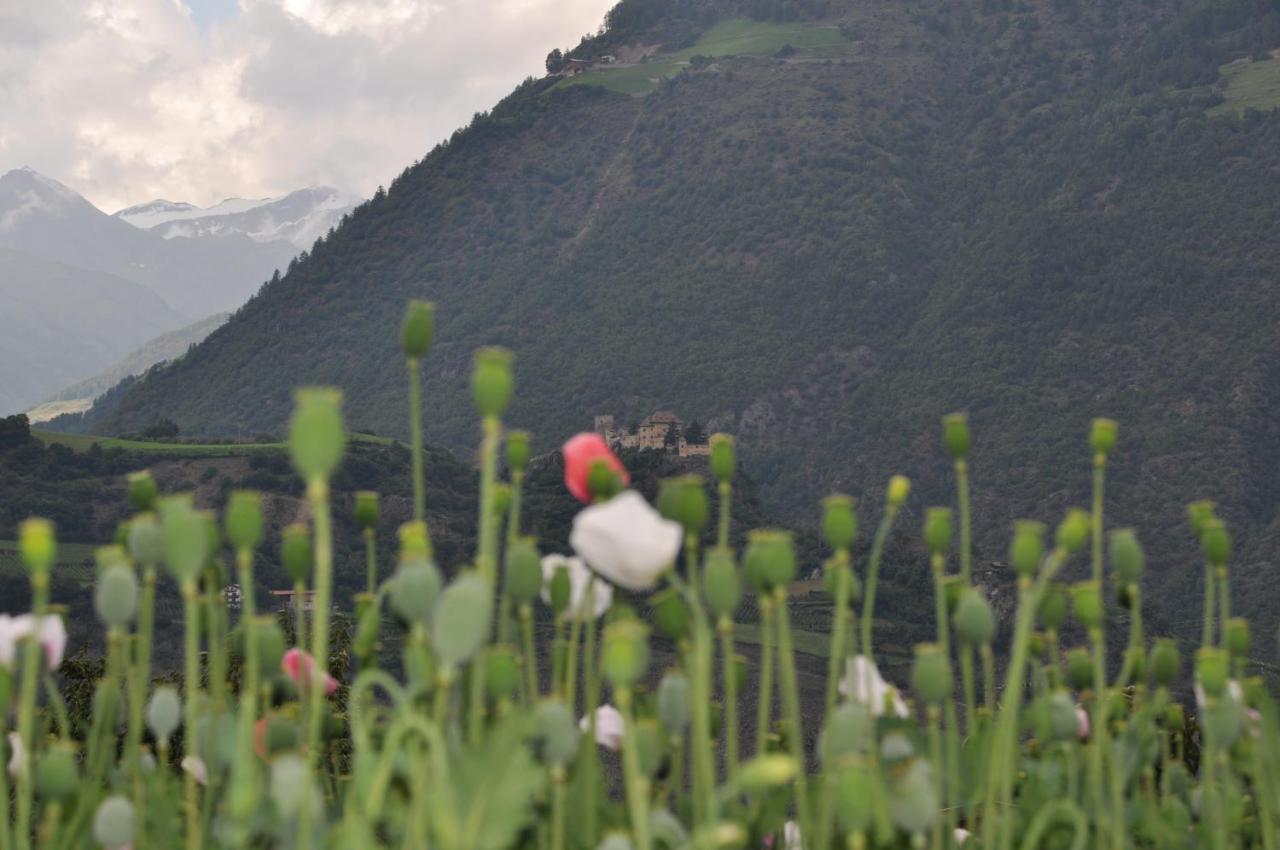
{"x": 197, "y": 100}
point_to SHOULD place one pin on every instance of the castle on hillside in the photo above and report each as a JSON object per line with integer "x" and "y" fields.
{"x": 661, "y": 431}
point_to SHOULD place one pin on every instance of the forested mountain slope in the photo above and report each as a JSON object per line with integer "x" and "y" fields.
{"x": 1038, "y": 212}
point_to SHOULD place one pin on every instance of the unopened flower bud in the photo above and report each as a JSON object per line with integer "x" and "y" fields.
{"x": 625, "y": 654}
{"x": 560, "y": 590}
{"x": 295, "y": 551}
{"x": 1027, "y": 547}
{"x": 57, "y": 774}
{"x": 244, "y": 519}
{"x": 670, "y": 614}
{"x": 524, "y": 571}
{"x": 974, "y": 620}
{"x": 1211, "y": 670}
{"x": 603, "y": 481}
{"x": 418, "y": 329}
{"x": 1063, "y": 718}
{"x": 1086, "y": 603}
{"x": 416, "y": 590}
{"x": 855, "y": 793}
{"x": 37, "y": 544}
{"x": 1165, "y": 661}
{"x": 1199, "y": 513}
{"x": 164, "y": 710}
{"x": 931, "y": 674}
{"x": 899, "y": 489}
{"x": 184, "y": 537}
{"x": 116, "y": 596}
{"x": 460, "y": 622}
{"x": 1175, "y": 717}
{"x": 673, "y": 703}
{"x": 913, "y": 799}
{"x": 770, "y": 559}
{"x": 1215, "y": 541}
{"x": 414, "y": 541}
{"x": 720, "y": 583}
{"x": 1223, "y": 721}
{"x": 767, "y": 771}
{"x": 491, "y": 381}
{"x": 518, "y": 450}
{"x": 1135, "y": 658}
{"x": 1102, "y": 436}
{"x": 1126, "y": 555}
{"x": 1036, "y": 644}
{"x": 367, "y": 509}
{"x": 937, "y": 530}
{"x": 684, "y": 500}
{"x": 955, "y": 435}
{"x": 1074, "y": 529}
{"x": 839, "y": 522}
{"x": 722, "y": 457}
{"x": 1079, "y": 669}
{"x": 1053, "y": 607}
{"x": 555, "y": 731}
{"x": 317, "y": 435}
{"x": 113, "y": 823}
{"x": 143, "y": 491}
{"x": 1235, "y": 636}
{"x": 650, "y": 746}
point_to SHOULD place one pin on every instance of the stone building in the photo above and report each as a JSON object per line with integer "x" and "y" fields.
{"x": 663, "y": 430}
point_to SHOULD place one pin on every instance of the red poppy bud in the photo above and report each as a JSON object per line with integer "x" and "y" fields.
{"x": 579, "y": 454}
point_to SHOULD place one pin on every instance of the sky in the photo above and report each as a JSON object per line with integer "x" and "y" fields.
{"x": 199, "y": 100}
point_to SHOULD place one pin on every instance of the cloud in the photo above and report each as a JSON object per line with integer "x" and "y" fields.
{"x": 126, "y": 100}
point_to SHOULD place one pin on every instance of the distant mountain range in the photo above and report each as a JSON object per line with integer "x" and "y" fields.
{"x": 83, "y": 289}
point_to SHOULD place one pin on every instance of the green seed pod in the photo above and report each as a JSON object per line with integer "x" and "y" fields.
{"x": 518, "y": 450}
{"x": 291, "y": 786}
{"x": 1235, "y": 636}
{"x": 1086, "y": 603}
{"x": 145, "y": 543}
{"x": 1256, "y": 694}
{"x": 184, "y": 538}
{"x": 115, "y": 597}
{"x": 896, "y": 748}
{"x": 1079, "y": 669}
{"x": 416, "y": 591}
{"x": 491, "y": 381}
{"x": 1165, "y": 661}
{"x": 113, "y": 823}
{"x": 1215, "y": 541}
{"x": 268, "y": 641}
{"x": 1136, "y": 659}
{"x": 1199, "y": 513}
{"x": 317, "y": 435}
{"x": 164, "y": 710}
{"x": 368, "y": 625}
{"x": 1064, "y": 722}
{"x": 1126, "y": 555}
{"x": 913, "y": 800}
{"x": 839, "y": 522}
{"x": 1036, "y": 645}
{"x": 1223, "y": 720}
{"x": 57, "y": 774}
{"x": 1102, "y": 436}
{"x": 650, "y": 746}
{"x": 1211, "y": 670}
{"x": 295, "y": 551}
{"x": 367, "y": 509}
{"x": 603, "y": 482}
{"x": 722, "y": 457}
{"x": 720, "y": 583}
{"x": 624, "y": 657}
{"x": 501, "y": 672}
{"x": 770, "y": 559}
{"x": 767, "y": 771}
{"x": 501, "y": 499}
{"x": 683, "y": 500}
{"x": 1074, "y": 530}
{"x": 414, "y": 541}
{"x": 899, "y": 489}
{"x": 1175, "y": 717}
{"x": 461, "y": 620}
{"x": 244, "y": 519}
{"x": 560, "y": 590}
{"x": 37, "y": 544}
{"x": 974, "y": 620}
{"x": 952, "y": 587}
{"x": 831, "y": 573}
{"x": 1053, "y": 607}
{"x": 937, "y": 530}
{"x": 673, "y": 703}
{"x": 418, "y": 330}
{"x": 143, "y": 491}
{"x": 955, "y": 435}
{"x": 931, "y": 674}
{"x": 121, "y": 537}
{"x": 524, "y": 571}
{"x": 282, "y": 735}
{"x": 855, "y": 793}
{"x": 555, "y": 731}
{"x": 670, "y": 614}
{"x": 1027, "y": 547}
{"x": 212, "y": 538}
{"x": 847, "y": 732}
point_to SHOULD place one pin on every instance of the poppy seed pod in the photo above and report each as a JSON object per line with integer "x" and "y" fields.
{"x": 1053, "y": 607}
{"x": 268, "y": 641}
{"x": 416, "y": 590}
{"x": 650, "y": 746}
{"x": 295, "y": 551}
{"x": 244, "y": 519}
{"x": 317, "y": 435}
{"x": 1126, "y": 555}
{"x": 670, "y": 614}
{"x": 501, "y": 672}
{"x": 832, "y": 571}
{"x": 603, "y": 482}
{"x": 952, "y": 586}
{"x": 418, "y": 330}
{"x": 1102, "y": 436}
{"x": 560, "y": 590}
{"x": 974, "y": 620}
{"x": 115, "y": 597}
{"x": 723, "y": 458}
{"x": 847, "y": 732}
{"x": 1073, "y": 531}
{"x": 1175, "y": 716}
{"x": 1036, "y": 645}
{"x": 1079, "y": 668}
{"x": 143, "y": 491}
{"x": 913, "y": 802}
{"x": 37, "y": 544}
{"x": 1165, "y": 661}
{"x": 164, "y": 710}
{"x": 1211, "y": 670}
{"x": 367, "y": 509}
{"x": 839, "y": 522}
{"x": 720, "y": 583}
{"x": 555, "y": 731}
{"x": 624, "y": 656}
{"x": 955, "y": 435}
{"x": 1135, "y": 658}
{"x": 1198, "y": 513}
{"x": 899, "y": 489}
{"x": 683, "y": 500}
{"x": 184, "y": 538}
{"x": 1064, "y": 720}
{"x": 491, "y": 380}
{"x": 855, "y": 793}
{"x": 414, "y": 541}
{"x": 524, "y": 571}
{"x": 460, "y": 622}
{"x": 1086, "y": 603}
{"x": 501, "y": 499}
{"x": 767, "y": 771}
{"x": 517, "y": 450}
{"x": 673, "y": 703}
{"x": 57, "y": 774}
{"x": 1235, "y": 636}
{"x": 937, "y": 530}
{"x": 931, "y": 674}
{"x": 113, "y": 823}
{"x": 770, "y": 558}
{"x": 144, "y": 541}
{"x": 1027, "y": 547}
{"x": 1215, "y": 541}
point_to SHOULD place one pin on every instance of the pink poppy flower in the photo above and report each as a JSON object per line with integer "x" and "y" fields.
{"x": 297, "y": 665}
{"x": 579, "y": 454}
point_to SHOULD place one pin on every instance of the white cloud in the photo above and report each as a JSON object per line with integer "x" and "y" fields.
{"x": 126, "y": 100}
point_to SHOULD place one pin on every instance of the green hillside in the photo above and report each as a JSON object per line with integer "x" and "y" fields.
{"x": 1032, "y": 211}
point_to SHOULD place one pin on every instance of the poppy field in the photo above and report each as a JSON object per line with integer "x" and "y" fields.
{"x": 513, "y": 701}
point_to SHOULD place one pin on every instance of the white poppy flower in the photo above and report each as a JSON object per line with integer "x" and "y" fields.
{"x": 1234, "y": 691}
{"x": 195, "y": 766}
{"x": 863, "y": 683}
{"x": 626, "y": 541}
{"x": 579, "y": 578}
{"x": 791, "y": 838}
{"x": 18, "y": 755}
{"x": 48, "y": 630}
{"x": 961, "y": 835}
{"x": 608, "y": 727}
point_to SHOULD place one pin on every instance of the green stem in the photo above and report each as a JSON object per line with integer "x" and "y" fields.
{"x": 31, "y": 663}
{"x": 722, "y": 530}
{"x": 764, "y": 704}
{"x": 791, "y": 707}
{"x": 1098, "y": 746}
{"x": 636, "y": 784}
{"x": 139, "y": 681}
{"x": 836, "y": 659}
{"x": 730, "y": 685}
{"x": 935, "y": 753}
{"x": 962, "y": 496}
{"x": 513, "y": 532}
{"x": 592, "y": 767}
{"x": 1206, "y": 638}
{"x": 873, "y": 571}
{"x": 191, "y": 686}
{"x": 415, "y": 438}
{"x": 486, "y": 556}
{"x": 557, "y": 807}
{"x": 1224, "y": 600}
{"x": 370, "y": 561}
{"x": 530, "y": 658}
{"x": 318, "y": 496}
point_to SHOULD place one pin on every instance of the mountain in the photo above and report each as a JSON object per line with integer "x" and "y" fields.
{"x": 821, "y": 226}
{"x": 79, "y": 397}
{"x": 196, "y": 277}
{"x": 59, "y": 324}
{"x": 299, "y": 218}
